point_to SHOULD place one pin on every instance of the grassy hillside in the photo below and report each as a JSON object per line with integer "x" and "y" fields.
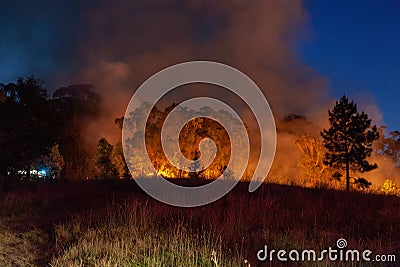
{"x": 113, "y": 223}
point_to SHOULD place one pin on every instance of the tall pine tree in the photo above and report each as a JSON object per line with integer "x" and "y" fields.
{"x": 349, "y": 139}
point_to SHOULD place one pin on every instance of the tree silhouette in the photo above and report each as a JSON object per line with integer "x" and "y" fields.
{"x": 118, "y": 160}
{"x": 103, "y": 159}
{"x": 349, "y": 139}
{"x": 26, "y": 129}
{"x": 74, "y": 107}
{"x": 55, "y": 161}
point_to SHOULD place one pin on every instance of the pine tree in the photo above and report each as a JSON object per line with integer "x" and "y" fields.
{"x": 349, "y": 139}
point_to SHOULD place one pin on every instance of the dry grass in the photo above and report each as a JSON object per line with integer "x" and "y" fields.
{"x": 20, "y": 248}
{"x": 113, "y": 223}
{"x": 132, "y": 236}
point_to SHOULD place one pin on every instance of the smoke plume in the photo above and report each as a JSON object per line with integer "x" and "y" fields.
{"x": 124, "y": 42}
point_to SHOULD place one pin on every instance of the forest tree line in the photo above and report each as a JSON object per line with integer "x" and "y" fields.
{"x": 42, "y": 131}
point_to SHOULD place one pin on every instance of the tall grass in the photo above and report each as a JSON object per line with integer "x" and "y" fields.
{"x": 115, "y": 224}
{"x": 133, "y": 235}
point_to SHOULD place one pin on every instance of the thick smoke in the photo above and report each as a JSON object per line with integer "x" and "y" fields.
{"x": 124, "y": 42}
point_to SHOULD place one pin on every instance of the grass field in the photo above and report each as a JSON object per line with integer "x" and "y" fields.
{"x": 113, "y": 223}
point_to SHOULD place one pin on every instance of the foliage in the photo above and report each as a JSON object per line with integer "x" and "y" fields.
{"x": 78, "y": 99}
{"x": 390, "y": 188}
{"x": 103, "y": 159}
{"x": 349, "y": 139}
{"x": 55, "y": 161}
{"x": 389, "y": 145}
{"x": 32, "y": 123}
{"x": 312, "y": 161}
{"x": 26, "y": 120}
{"x": 74, "y": 107}
{"x": 3, "y": 97}
{"x": 362, "y": 184}
{"x": 118, "y": 160}
{"x": 193, "y": 132}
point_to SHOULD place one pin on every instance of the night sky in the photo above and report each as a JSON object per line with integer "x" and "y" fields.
{"x": 356, "y": 45}
{"x": 353, "y": 45}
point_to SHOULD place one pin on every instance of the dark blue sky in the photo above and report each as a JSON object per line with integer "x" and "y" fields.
{"x": 356, "y": 45}
{"x": 353, "y": 44}
{"x": 36, "y": 38}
